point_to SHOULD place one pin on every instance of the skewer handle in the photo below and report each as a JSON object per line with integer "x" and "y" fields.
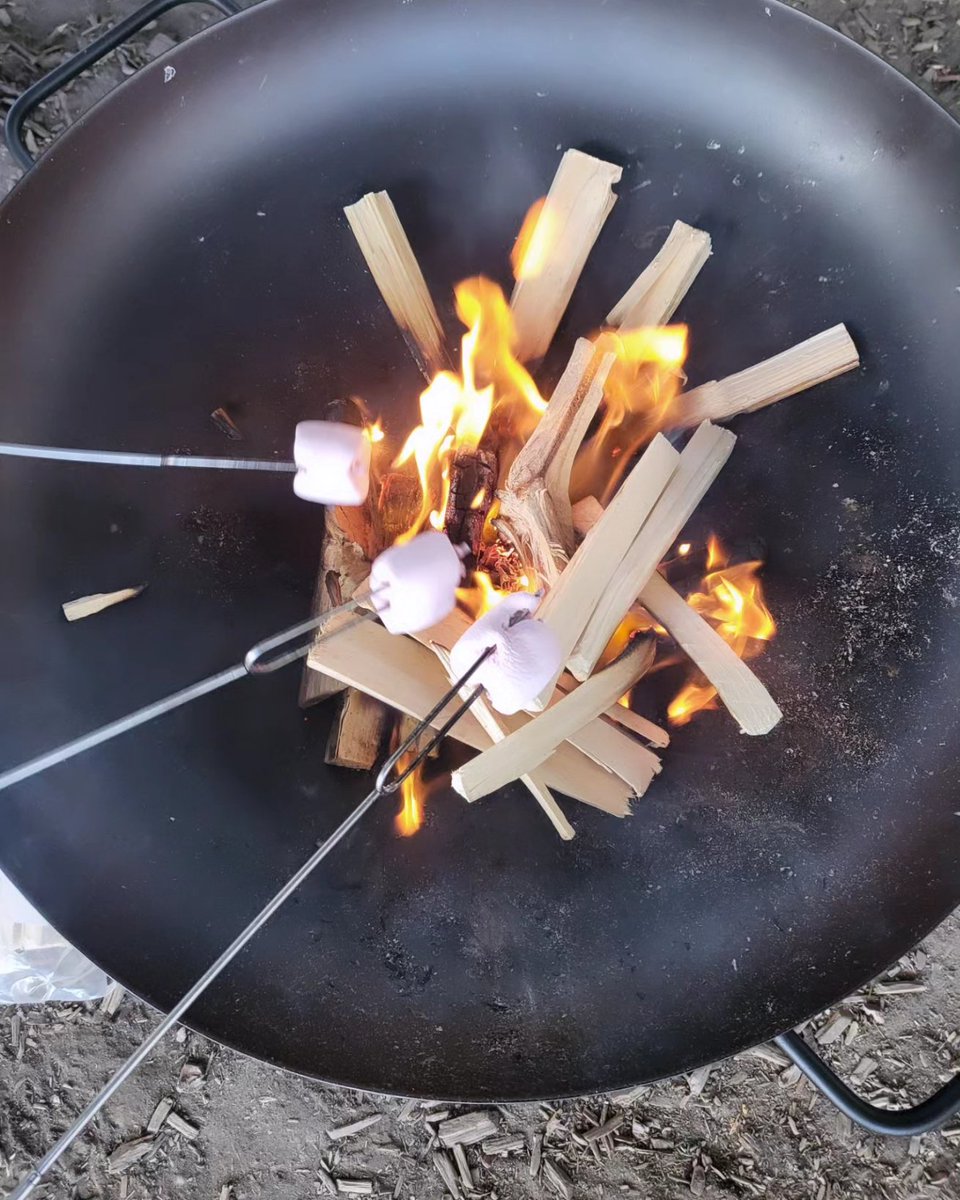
{"x": 37, "y": 1172}
{"x": 259, "y": 660}
{"x": 117, "y": 458}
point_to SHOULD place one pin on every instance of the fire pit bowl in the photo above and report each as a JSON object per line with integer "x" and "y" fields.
{"x": 184, "y": 247}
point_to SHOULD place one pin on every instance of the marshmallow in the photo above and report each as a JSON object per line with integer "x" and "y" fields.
{"x": 414, "y": 585}
{"x": 527, "y": 656}
{"x": 333, "y": 463}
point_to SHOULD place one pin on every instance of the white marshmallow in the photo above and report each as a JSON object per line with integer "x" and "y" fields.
{"x": 526, "y": 656}
{"x": 415, "y": 585}
{"x": 333, "y": 463}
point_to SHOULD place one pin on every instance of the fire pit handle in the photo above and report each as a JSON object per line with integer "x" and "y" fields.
{"x": 59, "y": 76}
{"x": 925, "y": 1117}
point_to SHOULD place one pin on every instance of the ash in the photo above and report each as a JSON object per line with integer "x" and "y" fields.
{"x": 748, "y": 1127}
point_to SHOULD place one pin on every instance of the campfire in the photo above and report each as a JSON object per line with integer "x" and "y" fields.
{"x": 580, "y": 497}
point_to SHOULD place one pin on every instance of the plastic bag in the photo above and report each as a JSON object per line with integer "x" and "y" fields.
{"x": 36, "y": 964}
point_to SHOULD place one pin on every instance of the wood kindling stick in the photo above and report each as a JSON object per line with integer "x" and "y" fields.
{"x": 579, "y": 201}
{"x": 699, "y": 465}
{"x": 747, "y": 700}
{"x": 655, "y": 295}
{"x": 610, "y": 747}
{"x": 88, "y": 606}
{"x": 408, "y": 677}
{"x": 448, "y": 631}
{"x": 495, "y": 727}
{"x": 570, "y": 602}
{"x": 397, "y": 274}
{"x": 535, "y": 512}
{"x": 814, "y": 361}
{"x": 745, "y": 697}
{"x": 534, "y": 741}
{"x": 344, "y": 565}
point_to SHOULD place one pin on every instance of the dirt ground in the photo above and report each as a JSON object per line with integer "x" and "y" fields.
{"x": 747, "y": 1127}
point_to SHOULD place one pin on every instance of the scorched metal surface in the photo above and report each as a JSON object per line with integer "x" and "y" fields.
{"x": 184, "y": 247}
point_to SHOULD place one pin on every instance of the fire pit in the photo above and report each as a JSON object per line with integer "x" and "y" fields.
{"x": 187, "y": 240}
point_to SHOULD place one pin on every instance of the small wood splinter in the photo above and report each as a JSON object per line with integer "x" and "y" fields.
{"x": 87, "y": 606}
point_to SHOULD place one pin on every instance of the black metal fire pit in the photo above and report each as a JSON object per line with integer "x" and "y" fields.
{"x": 186, "y": 244}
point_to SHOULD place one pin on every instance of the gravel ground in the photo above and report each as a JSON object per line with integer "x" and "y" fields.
{"x": 239, "y": 1130}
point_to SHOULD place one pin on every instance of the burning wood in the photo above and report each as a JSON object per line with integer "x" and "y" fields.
{"x": 488, "y": 446}
{"x": 571, "y": 602}
{"x": 397, "y": 274}
{"x": 344, "y": 565}
{"x": 494, "y": 726}
{"x": 654, "y": 296}
{"x": 554, "y": 245}
{"x": 746, "y": 699}
{"x": 530, "y": 745}
{"x": 473, "y": 485}
{"x": 814, "y": 361}
{"x": 699, "y": 465}
{"x": 408, "y": 677}
{"x": 535, "y": 513}
{"x": 595, "y": 739}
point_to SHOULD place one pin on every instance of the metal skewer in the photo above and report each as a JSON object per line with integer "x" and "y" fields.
{"x": 384, "y": 786}
{"x": 117, "y": 458}
{"x": 255, "y": 662}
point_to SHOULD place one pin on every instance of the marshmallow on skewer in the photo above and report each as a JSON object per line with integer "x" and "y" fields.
{"x": 333, "y": 463}
{"x": 414, "y": 585}
{"x": 526, "y": 656}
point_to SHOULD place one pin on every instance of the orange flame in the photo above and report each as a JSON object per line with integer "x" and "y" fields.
{"x": 410, "y": 817}
{"x": 481, "y": 595}
{"x": 374, "y": 431}
{"x": 455, "y": 409}
{"x": 535, "y": 241}
{"x": 732, "y": 599}
{"x": 637, "y": 397}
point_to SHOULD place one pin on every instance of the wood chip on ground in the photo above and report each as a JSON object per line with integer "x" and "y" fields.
{"x": 471, "y": 1127}
{"x": 355, "y": 1127}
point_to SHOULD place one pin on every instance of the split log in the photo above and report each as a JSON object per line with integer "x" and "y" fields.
{"x": 473, "y": 486}
{"x": 344, "y": 565}
{"x": 699, "y": 465}
{"x": 535, "y": 512}
{"x": 570, "y": 603}
{"x": 408, "y": 677}
{"x": 814, "y": 361}
{"x": 534, "y": 741}
{"x": 745, "y": 697}
{"x": 357, "y": 732}
{"x": 397, "y": 274}
{"x": 654, "y": 296}
{"x": 494, "y": 725}
{"x": 578, "y": 203}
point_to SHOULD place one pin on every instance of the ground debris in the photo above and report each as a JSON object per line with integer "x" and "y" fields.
{"x": 558, "y": 1179}
{"x": 355, "y": 1127}
{"x": 128, "y": 1153}
{"x": 159, "y": 1115}
{"x": 226, "y": 424}
{"x": 113, "y": 997}
{"x": 467, "y": 1129}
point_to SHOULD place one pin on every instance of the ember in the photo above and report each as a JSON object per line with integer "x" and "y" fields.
{"x": 553, "y": 495}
